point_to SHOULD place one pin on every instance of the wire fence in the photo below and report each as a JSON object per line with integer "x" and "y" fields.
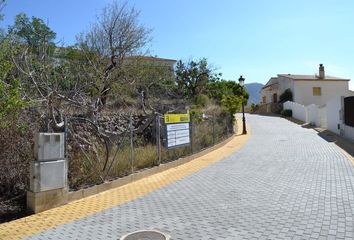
{"x": 95, "y": 157}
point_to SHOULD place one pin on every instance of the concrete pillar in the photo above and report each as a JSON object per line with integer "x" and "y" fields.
{"x": 321, "y": 72}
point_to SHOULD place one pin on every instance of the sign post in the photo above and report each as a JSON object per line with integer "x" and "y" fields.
{"x": 177, "y": 130}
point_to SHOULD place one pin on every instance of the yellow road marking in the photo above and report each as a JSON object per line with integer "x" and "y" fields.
{"x": 91, "y": 205}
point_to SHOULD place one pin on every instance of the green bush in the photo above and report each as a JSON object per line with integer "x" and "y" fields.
{"x": 287, "y": 113}
{"x": 254, "y": 107}
{"x": 202, "y": 100}
{"x": 195, "y": 113}
{"x": 11, "y": 104}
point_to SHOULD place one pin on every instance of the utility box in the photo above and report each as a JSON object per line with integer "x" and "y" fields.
{"x": 48, "y": 186}
{"x": 48, "y": 175}
{"x": 49, "y": 146}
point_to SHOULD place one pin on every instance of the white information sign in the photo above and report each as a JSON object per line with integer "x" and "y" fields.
{"x": 177, "y": 134}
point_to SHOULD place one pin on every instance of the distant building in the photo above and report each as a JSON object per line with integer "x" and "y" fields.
{"x": 151, "y": 61}
{"x": 306, "y": 89}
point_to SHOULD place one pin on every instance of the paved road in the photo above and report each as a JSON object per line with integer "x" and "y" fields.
{"x": 285, "y": 183}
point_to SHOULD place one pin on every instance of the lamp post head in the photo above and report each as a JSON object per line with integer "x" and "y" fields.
{"x": 241, "y": 80}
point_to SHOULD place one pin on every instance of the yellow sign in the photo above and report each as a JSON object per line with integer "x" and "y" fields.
{"x": 177, "y": 118}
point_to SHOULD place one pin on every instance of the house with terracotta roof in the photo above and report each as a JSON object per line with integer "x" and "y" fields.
{"x": 306, "y": 89}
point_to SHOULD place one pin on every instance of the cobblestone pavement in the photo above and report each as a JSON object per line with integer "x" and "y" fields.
{"x": 285, "y": 183}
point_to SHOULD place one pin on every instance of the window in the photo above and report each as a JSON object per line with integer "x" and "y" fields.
{"x": 316, "y": 91}
{"x": 264, "y": 99}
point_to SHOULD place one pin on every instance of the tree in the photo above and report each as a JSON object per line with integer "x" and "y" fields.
{"x": 45, "y": 74}
{"x": 147, "y": 79}
{"x": 34, "y": 33}
{"x": 287, "y": 95}
{"x": 218, "y": 89}
{"x": 193, "y": 77}
{"x": 11, "y": 102}
{"x": 229, "y": 94}
{"x": 43, "y": 68}
{"x": 232, "y": 104}
{"x": 32, "y": 43}
{"x": 116, "y": 35}
{"x": 2, "y": 5}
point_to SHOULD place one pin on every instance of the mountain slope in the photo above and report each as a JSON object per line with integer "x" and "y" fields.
{"x": 254, "y": 90}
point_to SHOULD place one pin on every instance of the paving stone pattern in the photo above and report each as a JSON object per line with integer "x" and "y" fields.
{"x": 285, "y": 183}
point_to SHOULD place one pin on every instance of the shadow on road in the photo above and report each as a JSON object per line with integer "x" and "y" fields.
{"x": 329, "y": 136}
{"x": 343, "y": 143}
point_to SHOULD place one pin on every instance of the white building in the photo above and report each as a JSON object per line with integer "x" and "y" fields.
{"x": 306, "y": 89}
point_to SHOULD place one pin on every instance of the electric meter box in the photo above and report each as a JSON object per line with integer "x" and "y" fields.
{"x": 49, "y": 146}
{"x": 48, "y": 175}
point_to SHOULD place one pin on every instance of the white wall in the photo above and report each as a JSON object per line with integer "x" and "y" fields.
{"x": 322, "y": 116}
{"x": 328, "y": 116}
{"x": 333, "y": 113}
{"x": 313, "y": 114}
{"x": 303, "y": 93}
{"x": 285, "y": 83}
{"x": 299, "y": 111}
{"x": 348, "y": 132}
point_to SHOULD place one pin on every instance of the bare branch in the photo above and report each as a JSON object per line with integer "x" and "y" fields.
{"x": 116, "y": 35}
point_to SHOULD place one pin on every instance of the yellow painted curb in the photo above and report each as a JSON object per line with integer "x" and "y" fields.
{"x": 348, "y": 156}
{"x": 91, "y": 205}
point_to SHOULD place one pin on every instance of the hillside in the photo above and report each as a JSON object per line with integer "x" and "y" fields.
{"x": 254, "y": 90}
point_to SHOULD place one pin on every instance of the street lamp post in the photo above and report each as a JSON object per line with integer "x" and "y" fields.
{"x": 242, "y": 84}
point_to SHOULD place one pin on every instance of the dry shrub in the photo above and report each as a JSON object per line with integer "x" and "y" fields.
{"x": 16, "y": 153}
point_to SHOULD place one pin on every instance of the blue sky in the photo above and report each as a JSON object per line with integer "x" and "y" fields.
{"x": 255, "y": 38}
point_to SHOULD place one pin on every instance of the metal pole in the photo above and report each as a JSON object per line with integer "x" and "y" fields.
{"x": 191, "y": 133}
{"x": 213, "y": 121}
{"x": 66, "y": 155}
{"x": 131, "y": 144}
{"x": 158, "y": 140}
{"x": 244, "y": 131}
{"x": 66, "y": 138}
